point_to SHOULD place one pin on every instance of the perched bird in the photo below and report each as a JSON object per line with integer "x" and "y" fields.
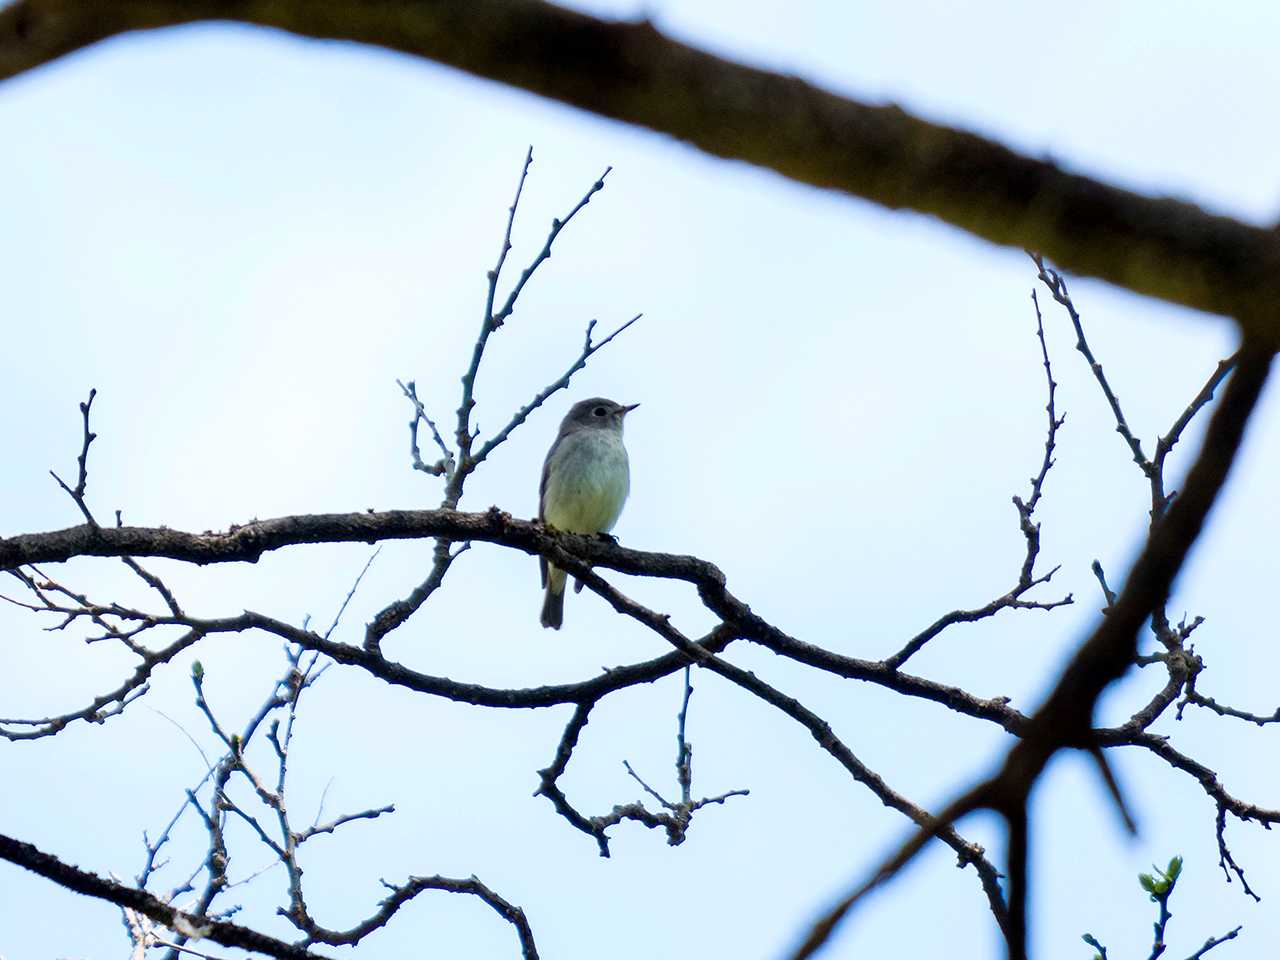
{"x": 585, "y": 481}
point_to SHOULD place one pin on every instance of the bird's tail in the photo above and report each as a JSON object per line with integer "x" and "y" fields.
{"x": 553, "y": 601}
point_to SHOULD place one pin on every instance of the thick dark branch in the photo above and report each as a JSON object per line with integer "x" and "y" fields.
{"x": 632, "y": 72}
{"x": 818, "y": 728}
{"x": 248, "y": 542}
{"x": 1065, "y": 718}
{"x": 966, "y": 851}
{"x": 92, "y": 885}
{"x": 1182, "y": 664}
{"x": 392, "y": 672}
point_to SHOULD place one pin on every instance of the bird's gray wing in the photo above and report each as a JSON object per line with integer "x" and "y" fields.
{"x": 542, "y": 496}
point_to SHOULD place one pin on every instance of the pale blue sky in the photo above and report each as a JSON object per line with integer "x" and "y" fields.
{"x": 242, "y": 239}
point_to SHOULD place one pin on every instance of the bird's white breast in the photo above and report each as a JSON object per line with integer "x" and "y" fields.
{"x": 588, "y": 482}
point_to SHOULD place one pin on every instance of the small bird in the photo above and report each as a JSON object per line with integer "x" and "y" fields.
{"x": 585, "y": 482}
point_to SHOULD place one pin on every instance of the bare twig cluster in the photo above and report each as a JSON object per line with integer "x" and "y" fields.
{"x": 1065, "y": 720}
{"x": 456, "y": 465}
{"x": 271, "y": 823}
{"x": 1178, "y": 656}
{"x": 674, "y": 817}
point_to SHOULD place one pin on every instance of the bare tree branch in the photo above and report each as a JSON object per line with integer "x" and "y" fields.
{"x": 248, "y": 542}
{"x": 401, "y": 894}
{"x": 1027, "y": 580}
{"x": 677, "y": 816}
{"x": 1065, "y": 718}
{"x": 90, "y": 884}
{"x": 457, "y": 468}
{"x": 632, "y": 72}
{"x": 494, "y": 320}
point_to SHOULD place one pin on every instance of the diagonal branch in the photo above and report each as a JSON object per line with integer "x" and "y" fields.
{"x": 967, "y": 852}
{"x": 494, "y": 320}
{"x": 1065, "y": 718}
{"x": 632, "y": 72}
{"x": 1057, "y": 285}
{"x": 90, "y": 884}
{"x": 589, "y": 348}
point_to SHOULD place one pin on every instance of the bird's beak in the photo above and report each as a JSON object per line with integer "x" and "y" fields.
{"x": 626, "y": 410}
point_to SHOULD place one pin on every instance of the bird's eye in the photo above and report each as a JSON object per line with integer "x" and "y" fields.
{"x": 599, "y": 411}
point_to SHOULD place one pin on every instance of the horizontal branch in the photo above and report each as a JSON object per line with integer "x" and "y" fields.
{"x": 631, "y": 72}
{"x": 248, "y": 542}
{"x": 1206, "y": 778}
